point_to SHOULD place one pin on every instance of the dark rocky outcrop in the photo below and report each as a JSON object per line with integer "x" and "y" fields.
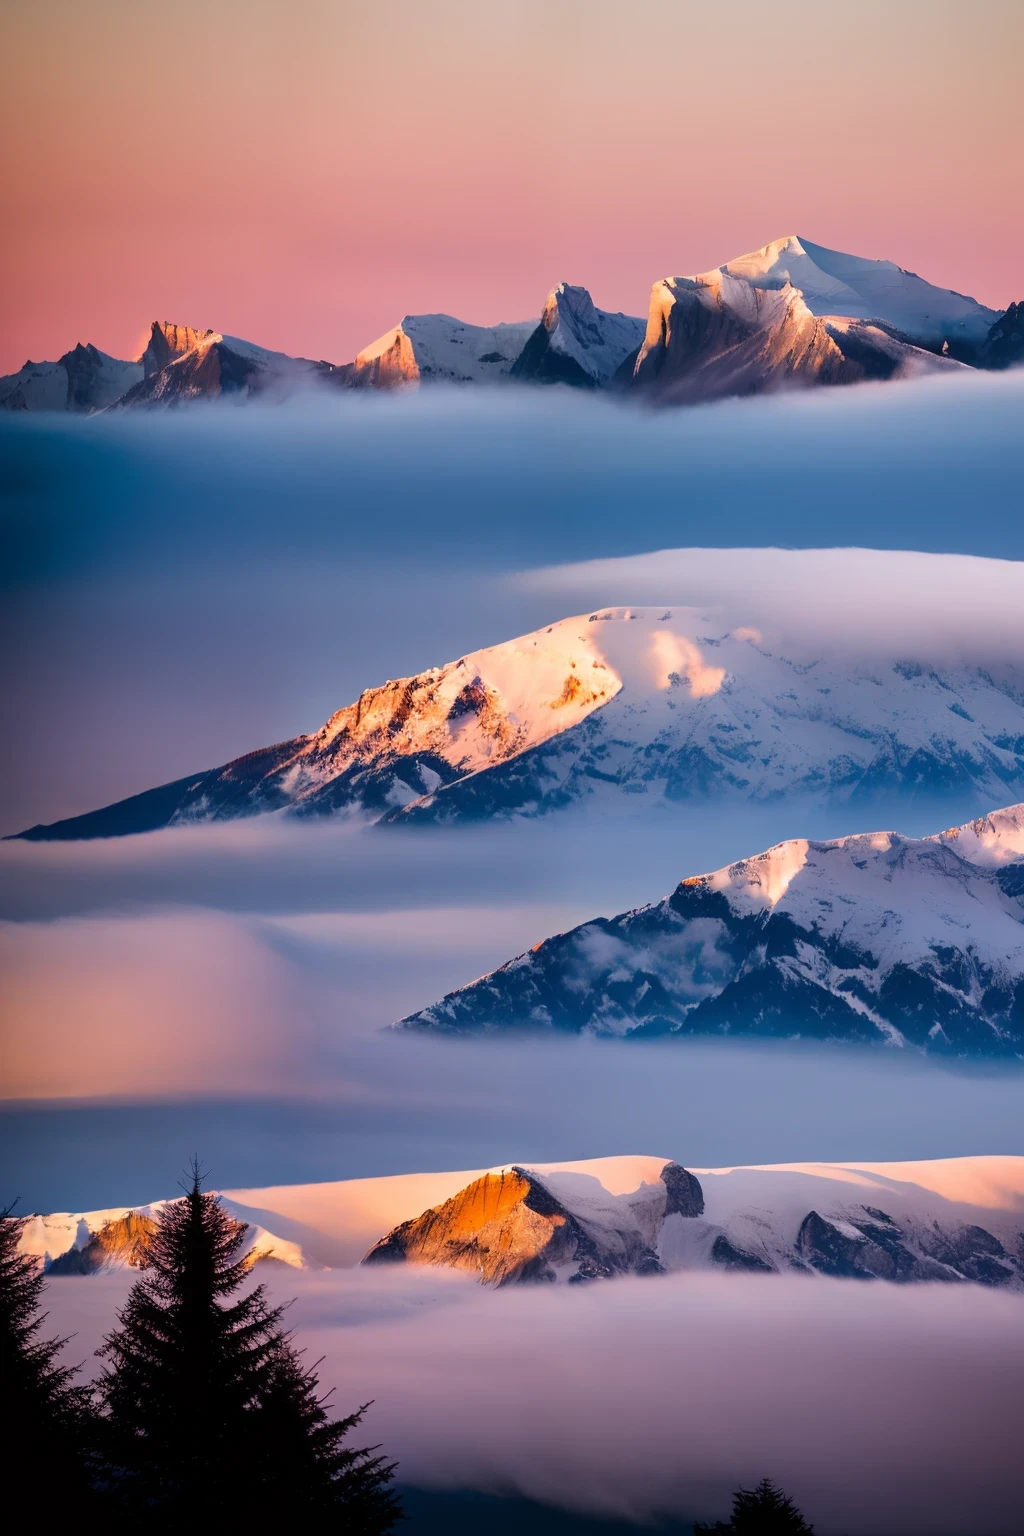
{"x": 1004, "y": 347}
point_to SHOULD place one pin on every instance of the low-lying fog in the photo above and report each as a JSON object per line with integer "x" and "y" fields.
{"x": 879, "y": 1408}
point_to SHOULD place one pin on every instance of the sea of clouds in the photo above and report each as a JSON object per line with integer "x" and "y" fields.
{"x": 879, "y": 1408}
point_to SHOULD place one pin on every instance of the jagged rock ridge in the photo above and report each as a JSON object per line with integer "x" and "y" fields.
{"x": 182, "y": 364}
{"x": 519, "y": 1225}
{"x": 83, "y": 380}
{"x": 511, "y": 1226}
{"x": 576, "y": 343}
{"x": 873, "y": 938}
{"x": 792, "y": 314}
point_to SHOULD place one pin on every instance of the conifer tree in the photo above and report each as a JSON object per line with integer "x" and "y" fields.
{"x": 761, "y": 1511}
{"x": 45, "y": 1420}
{"x": 209, "y": 1418}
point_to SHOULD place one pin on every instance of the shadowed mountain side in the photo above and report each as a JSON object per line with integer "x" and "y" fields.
{"x": 521, "y": 1225}
{"x": 876, "y": 937}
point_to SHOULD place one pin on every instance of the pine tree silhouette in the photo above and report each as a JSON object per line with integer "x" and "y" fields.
{"x": 761, "y": 1511}
{"x": 46, "y": 1422}
{"x": 210, "y": 1420}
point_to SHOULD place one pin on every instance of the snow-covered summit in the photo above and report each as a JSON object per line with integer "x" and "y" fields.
{"x": 874, "y": 937}
{"x": 438, "y": 349}
{"x": 181, "y": 363}
{"x": 954, "y": 1219}
{"x": 721, "y": 334}
{"x": 835, "y": 283}
{"x": 83, "y": 380}
{"x": 634, "y": 707}
{"x": 576, "y": 343}
{"x": 92, "y": 1242}
{"x": 585, "y": 1222}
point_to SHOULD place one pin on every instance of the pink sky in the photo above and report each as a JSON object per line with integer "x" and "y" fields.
{"x": 306, "y": 174}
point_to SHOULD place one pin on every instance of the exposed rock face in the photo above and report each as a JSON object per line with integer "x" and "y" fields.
{"x": 515, "y": 1225}
{"x": 183, "y": 364}
{"x": 1004, "y": 346}
{"x": 683, "y": 1194}
{"x": 717, "y": 335}
{"x": 120, "y": 1242}
{"x": 871, "y": 1245}
{"x": 83, "y": 380}
{"x": 168, "y": 341}
{"x": 869, "y": 938}
{"x": 576, "y": 343}
{"x": 737, "y": 1260}
{"x": 520, "y": 1224}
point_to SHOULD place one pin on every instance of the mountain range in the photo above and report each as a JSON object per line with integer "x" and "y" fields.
{"x": 875, "y": 938}
{"x": 790, "y": 315}
{"x": 622, "y": 709}
{"x": 955, "y": 1220}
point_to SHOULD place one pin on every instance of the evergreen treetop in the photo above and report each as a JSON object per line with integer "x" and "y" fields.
{"x": 761, "y": 1511}
{"x": 45, "y": 1420}
{"x": 207, "y": 1406}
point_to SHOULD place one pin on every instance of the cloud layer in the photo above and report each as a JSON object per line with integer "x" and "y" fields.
{"x": 879, "y": 1408}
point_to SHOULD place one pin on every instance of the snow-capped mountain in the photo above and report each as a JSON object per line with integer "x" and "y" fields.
{"x": 92, "y": 1242}
{"x": 833, "y": 283}
{"x": 84, "y": 379}
{"x": 792, "y": 314}
{"x": 622, "y": 708}
{"x": 576, "y": 343}
{"x": 182, "y": 364}
{"x": 437, "y": 349}
{"x": 566, "y": 1225}
{"x": 874, "y": 938}
{"x": 951, "y": 1219}
{"x": 717, "y": 335}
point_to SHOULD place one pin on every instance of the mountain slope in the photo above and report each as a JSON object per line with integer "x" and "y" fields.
{"x": 718, "y": 335}
{"x": 835, "y": 283}
{"x": 576, "y": 343}
{"x": 92, "y": 1242}
{"x": 182, "y": 364}
{"x": 1004, "y": 345}
{"x": 868, "y": 938}
{"x": 629, "y": 707}
{"x": 509, "y": 1226}
{"x": 437, "y": 349}
{"x": 561, "y": 1225}
{"x": 84, "y": 379}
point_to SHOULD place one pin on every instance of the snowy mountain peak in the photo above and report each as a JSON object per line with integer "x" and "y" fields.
{"x": 637, "y": 707}
{"x": 586, "y": 1221}
{"x": 857, "y": 287}
{"x": 438, "y": 349}
{"x": 876, "y": 936}
{"x": 82, "y": 380}
{"x": 577, "y": 343}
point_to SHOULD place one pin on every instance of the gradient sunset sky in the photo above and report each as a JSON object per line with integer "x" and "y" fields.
{"x": 305, "y": 173}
